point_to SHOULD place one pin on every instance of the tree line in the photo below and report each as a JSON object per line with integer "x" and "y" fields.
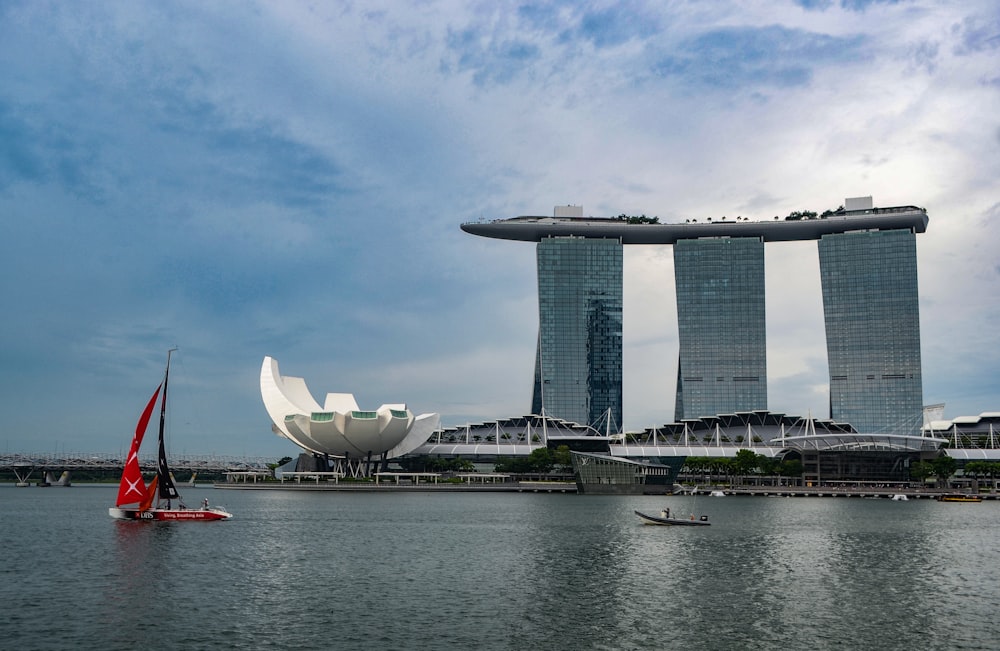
{"x": 746, "y": 462}
{"x": 943, "y": 467}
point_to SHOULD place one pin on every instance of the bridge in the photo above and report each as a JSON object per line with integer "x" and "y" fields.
{"x": 24, "y": 464}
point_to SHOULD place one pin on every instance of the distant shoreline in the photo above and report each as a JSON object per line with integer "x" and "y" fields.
{"x": 391, "y": 487}
{"x": 570, "y": 487}
{"x": 565, "y": 487}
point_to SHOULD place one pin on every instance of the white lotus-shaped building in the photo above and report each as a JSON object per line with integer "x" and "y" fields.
{"x": 339, "y": 428}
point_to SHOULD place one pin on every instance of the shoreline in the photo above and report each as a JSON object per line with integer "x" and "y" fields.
{"x": 570, "y": 487}
{"x": 363, "y": 487}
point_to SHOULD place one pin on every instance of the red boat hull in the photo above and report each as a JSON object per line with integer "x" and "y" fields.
{"x": 169, "y": 515}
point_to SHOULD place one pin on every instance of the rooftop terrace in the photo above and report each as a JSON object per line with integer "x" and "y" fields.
{"x": 534, "y": 229}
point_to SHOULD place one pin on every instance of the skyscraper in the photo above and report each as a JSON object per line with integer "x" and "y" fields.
{"x": 872, "y": 316}
{"x": 722, "y": 361}
{"x": 869, "y": 277}
{"x": 578, "y": 366}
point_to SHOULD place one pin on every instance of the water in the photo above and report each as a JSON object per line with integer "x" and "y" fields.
{"x": 497, "y": 571}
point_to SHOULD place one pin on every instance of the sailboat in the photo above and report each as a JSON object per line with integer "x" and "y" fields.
{"x": 152, "y": 502}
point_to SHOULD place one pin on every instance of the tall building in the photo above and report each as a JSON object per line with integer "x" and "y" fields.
{"x": 869, "y": 277}
{"x": 578, "y": 366}
{"x": 722, "y": 361}
{"x": 872, "y": 316}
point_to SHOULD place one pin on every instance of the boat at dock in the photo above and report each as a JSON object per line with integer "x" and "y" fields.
{"x": 959, "y": 497}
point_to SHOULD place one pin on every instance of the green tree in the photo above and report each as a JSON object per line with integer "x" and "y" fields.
{"x": 282, "y": 461}
{"x": 463, "y": 465}
{"x": 791, "y": 468}
{"x": 768, "y": 465}
{"x": 696, "y": 465}
{"x": 562, "y": 457}
{"x": 517, "y": 465}
{"x": 721, "y": 466}
{"x": 744, "y": 463}
{"x": 944, "y": 467}
{"x": 993, "y": 471}
{"x": 977, "y": 469}
{"x": 921, "y": 470}
{"x": 541, "y": 460}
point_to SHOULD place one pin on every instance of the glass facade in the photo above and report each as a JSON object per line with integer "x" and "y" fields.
{"x": 872, "y": 319}
{"x": 721, "y": 326}
{"x": 578, "y": 367}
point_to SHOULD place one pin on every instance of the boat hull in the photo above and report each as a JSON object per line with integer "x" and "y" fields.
{"x": 672, "y": 522}
{"x": 959, "y": 498}
{"x": 169, "y": 515}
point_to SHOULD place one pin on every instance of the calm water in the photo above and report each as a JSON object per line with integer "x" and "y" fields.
{"x": 522, "y": 571}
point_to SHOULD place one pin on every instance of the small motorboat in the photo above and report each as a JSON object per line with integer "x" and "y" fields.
{"x": 900, "y": 497}
{"x": 666, "y": 519}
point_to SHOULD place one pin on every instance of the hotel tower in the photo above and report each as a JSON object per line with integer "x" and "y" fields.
{"x": 868, "y": 270}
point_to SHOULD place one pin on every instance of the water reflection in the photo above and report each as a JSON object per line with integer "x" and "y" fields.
{"x": 133, "y": 591}
{"x": 576, "y": 552}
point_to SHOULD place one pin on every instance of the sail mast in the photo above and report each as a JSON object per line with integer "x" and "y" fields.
{"x": 167, "y": 490}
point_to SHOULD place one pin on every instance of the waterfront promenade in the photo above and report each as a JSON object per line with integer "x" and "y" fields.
{"x": 408, "y": 487}
{"x": 833, "y": 491}
{"x": 513, "y": 486}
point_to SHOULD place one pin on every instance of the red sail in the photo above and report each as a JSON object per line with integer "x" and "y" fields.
{"x": 132, "y": 489}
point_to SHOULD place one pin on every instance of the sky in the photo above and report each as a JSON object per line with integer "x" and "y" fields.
{"x": 287, "y": 179}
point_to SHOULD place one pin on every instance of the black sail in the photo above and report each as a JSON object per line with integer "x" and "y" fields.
{"x": 167, "y": 490}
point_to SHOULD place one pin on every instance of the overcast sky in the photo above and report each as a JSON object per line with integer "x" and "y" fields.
{"x": 246, "y": 179}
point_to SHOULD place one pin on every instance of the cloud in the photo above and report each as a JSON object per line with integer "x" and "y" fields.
{"x": 763, "y": 57}
{"x": 977, "y": 34}
{"x": 287, "y": 179}
{"x": 491, "y": 60}
{"x": 849, "y": 5}
{"x": 616, "y": 25}
{"x": 18, "y": 157}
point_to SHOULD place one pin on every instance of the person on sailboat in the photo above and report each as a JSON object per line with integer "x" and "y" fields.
{"x": 204, "y": 504}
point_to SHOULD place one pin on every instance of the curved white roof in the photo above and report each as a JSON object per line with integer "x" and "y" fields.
{"x": 339, "y": 428}
{"x": 984, "y": 418}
